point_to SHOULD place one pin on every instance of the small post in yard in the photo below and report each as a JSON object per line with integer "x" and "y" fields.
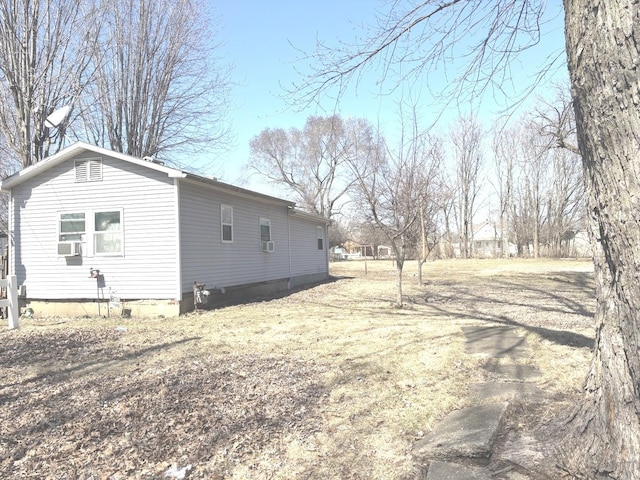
{"x": 200, "y": 295}
{"x": 12, "y": 301}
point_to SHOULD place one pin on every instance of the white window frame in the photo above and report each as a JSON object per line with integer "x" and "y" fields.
{"x": 63, "y": 234}
{"x": 95, "y": 233}
{"x": 265, "y": 222}
{"x": 223, "y": 223}
{"x": 266, "y": 239}
{"x": 88, "y": 237}
{"x": 320, "y": 235}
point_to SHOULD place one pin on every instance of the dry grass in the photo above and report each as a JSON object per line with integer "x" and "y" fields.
{"x": 329, "y": 382}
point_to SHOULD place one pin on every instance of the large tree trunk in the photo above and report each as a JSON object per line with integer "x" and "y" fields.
{"x": 603, "y": 57}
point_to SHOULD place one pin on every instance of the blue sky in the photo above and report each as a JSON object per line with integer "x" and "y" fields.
{"x": 260, "y": 37}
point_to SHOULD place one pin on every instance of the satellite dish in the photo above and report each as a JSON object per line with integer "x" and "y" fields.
{"x": 57, "y": 117}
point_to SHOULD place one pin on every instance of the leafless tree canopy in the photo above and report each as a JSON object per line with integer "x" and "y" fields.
{"x": 466, "y": 137}
{"x": 140, "y": 77}
{"x": 413, "y": 39}
{"x": 43, "y": 66}
{"x": 312, "y": 162}
{"x": 396, "y": 186}
{"x": 156, "y": 87}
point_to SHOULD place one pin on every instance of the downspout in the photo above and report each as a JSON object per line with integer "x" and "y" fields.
{"x": 289, "y": 211}
{"x": 178, "y": 251}
{"x": 10, "y": 247}
{"x": 326, "y": 249}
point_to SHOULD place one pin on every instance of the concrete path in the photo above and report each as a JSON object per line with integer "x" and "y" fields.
{"x": 462, "y": 444}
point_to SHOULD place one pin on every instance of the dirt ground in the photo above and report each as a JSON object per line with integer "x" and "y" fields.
{"x": 328, "y": 382}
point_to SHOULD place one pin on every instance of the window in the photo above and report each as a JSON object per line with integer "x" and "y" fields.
{"x": 265, "y": 230}
{"x": 320, "y": 233}
{"x": 266, "y": 245}
{"x": 107, "y": 234}
{"x": 226, "y": 222}
{"x": 89, "y": 170}
{"x": 71, "y": 227}
{"x": 102, "y": 236}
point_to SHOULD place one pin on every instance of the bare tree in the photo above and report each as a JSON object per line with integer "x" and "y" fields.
{"x": 466, "y": 139}
{"x": 535, "y": 177}
{"x": 540, "y": 186}
{"x": 339, "y": 232}
{"x": 603, "y": 47}
{"x": 448, "y": 203}
{"x": 433, "y": 197}
{"x": 43, "y": 67}
{"x": 555, "y": 121}
{"x": 505, "y": 151}
{"x": 158, "y": 87}
{"x": 393, "y": 185}
{"x": 565, "y": 201}
{"x": 311, "y": 162}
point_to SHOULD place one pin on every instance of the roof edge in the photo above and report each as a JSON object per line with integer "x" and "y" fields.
{"x": 72, "y": 150}
{"x": 243, "y": 192}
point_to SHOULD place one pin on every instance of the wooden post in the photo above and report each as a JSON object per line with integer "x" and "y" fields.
{"x": 12, "y": 301}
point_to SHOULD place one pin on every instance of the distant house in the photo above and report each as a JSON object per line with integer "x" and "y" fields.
{"x": 487, "y": 242}
{"x": 90, "y": 227}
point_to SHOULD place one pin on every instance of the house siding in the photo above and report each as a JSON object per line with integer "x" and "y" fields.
{"x": 148, "y": 266}
{"x": 172, "y": 237}
{"x": 206, "y": 259}
{"x": 306, "y": 257}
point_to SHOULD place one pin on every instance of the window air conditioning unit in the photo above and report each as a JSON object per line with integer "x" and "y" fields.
{"x": 268, "y": 247}
{"x": 69, "y": 249}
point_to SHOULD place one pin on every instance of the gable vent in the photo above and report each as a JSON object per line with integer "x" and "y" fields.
{"x": 89, "y": 170}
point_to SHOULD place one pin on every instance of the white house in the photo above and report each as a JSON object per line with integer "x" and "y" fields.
{"x": 88, "y": 223}
{"x": 487, "y": 242}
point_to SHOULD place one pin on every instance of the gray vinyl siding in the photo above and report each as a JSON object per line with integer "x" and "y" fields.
{"x": 306, "y": 257}
{"x": 148, "y": 266}
{"x": 206, "y": 259}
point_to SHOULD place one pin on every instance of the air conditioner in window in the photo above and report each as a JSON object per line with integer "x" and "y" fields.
{"x": 69, "y": 249}
{"x": 268, "y": 247}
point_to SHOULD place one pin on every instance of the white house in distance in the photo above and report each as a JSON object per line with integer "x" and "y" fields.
{"x": 89, "y": 225}
{"x": 487, "y": 242}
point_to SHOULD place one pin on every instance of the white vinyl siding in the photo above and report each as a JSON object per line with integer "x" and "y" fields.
{"x": 237, "y": 263}
{"x": 306, "y": 258}
{"x": 147, "y": 267}
{"x": 149, "y": 212}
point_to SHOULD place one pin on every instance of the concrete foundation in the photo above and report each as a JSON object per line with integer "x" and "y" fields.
{"x": 89, "y": 308}
{"x": 168, "y": 308}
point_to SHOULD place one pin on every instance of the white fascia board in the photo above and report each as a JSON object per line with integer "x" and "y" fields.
{"x": 73, "y": 150}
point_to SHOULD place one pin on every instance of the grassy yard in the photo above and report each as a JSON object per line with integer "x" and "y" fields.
{"x": 329, "y": 382}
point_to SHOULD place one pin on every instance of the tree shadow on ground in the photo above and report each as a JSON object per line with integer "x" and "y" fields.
{"x": 566, "y": 294}
{"x": 65, "y": 347}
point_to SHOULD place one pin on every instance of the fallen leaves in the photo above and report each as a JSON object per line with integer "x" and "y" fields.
{"x": 100, "y": 424}
{"x": 328, "y": 382}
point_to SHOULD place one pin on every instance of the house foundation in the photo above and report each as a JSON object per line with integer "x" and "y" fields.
{"x": 94, "y": 308}
{"x": 168, "y": 308}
